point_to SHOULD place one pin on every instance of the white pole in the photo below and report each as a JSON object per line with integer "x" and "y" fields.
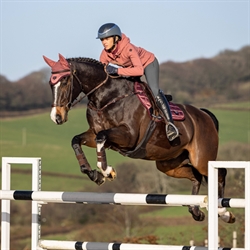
{"x": 5, "y": 220}
{"x": 36, "y": 207}
{"x": 212, "y": 207}
{"x": 234, "y": 239}
{"x": 205, "y": 243}
{"x": 191, "y": 243}
{"x": 24, "y": 137}
{"x": 247, "y": 205}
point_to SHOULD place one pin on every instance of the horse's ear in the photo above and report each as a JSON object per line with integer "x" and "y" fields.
{"x": 63, "y": 61}
{"x": 50, "y": 62}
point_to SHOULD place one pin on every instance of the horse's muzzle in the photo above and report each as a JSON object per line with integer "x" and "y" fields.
{"x": 58, "y": 115}
{"x": 59, "y": 120}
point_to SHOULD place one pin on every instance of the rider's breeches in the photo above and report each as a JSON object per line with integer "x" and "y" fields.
{"x": 152, "y": 76}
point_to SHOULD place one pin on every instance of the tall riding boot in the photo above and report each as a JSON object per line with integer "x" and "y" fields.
{"x": 162, "y": 102}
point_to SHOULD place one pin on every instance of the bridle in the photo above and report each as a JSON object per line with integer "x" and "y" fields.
{"x": 72, "y": 76}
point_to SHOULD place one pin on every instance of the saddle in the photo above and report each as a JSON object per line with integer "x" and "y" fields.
{"x": 146, "y": 97}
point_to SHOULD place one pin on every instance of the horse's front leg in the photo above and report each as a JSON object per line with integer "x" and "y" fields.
{"x": 88, "y": 139}
{"x": 106, "y": 170}
{"x": 119, "y": 135}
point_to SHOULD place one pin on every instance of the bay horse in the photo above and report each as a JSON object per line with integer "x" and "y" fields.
{"x": 118, "y": 120}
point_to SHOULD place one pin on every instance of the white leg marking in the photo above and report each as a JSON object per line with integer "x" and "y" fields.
{"x": 224, "y": 214}
{"x": 106, "y": 173}
{"x": 99, "y": 146}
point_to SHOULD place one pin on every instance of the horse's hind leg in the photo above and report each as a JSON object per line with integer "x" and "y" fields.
{"x": 184, "y": 171}
{"x": 225, "y": 215}
{"x": 197, "y": 214}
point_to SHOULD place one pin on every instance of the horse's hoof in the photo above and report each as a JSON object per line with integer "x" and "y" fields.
{"x": 97, "y": 177}
{"x": 200, "y": 217}
{"x": 112, "y": 175}
{"x": 197, "y": 214}
{"x": 100, "y": 178}
{"x": 228, "y": 217}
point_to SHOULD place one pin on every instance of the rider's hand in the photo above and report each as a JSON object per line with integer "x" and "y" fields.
{"x": 111, "y": 70}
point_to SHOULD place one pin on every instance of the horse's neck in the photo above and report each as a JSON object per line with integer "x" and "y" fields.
{"x": 113, "y": 89}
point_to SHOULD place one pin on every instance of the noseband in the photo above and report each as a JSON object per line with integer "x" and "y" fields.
{"x": 72, "y": 76}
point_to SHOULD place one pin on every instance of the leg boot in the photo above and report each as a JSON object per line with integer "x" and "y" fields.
{"x": 171, "y": 131}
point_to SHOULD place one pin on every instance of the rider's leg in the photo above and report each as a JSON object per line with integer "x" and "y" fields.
{"x": 171, "y": 130}
{"x": 152, "y": 77}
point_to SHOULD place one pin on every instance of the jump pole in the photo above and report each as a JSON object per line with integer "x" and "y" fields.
{"x": 213, "y": 204}
{"x": 77, "y": 245}
{"x": 117, "y": 198}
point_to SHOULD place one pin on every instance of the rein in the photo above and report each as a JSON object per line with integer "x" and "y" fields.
{"x": 109, "y": 103}
{"x": 91, "y": 91}
{"x": 73, "y": 74}
{"x": 72, "y": 104}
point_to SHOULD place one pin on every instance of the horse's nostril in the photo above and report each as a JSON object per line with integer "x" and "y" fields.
{"x": 58, "y": 119}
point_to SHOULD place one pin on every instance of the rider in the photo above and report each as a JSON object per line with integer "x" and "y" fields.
{"x": 134, "y": 61}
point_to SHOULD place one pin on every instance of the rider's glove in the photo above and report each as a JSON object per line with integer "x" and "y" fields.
{"x": 111, "y": 70}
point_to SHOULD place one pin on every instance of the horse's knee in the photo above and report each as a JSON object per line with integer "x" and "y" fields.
{"x": 75, "y": 140}
{"x": 101, "y": 137}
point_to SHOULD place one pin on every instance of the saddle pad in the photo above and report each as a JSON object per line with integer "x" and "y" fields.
{"x": 177, "y": 113}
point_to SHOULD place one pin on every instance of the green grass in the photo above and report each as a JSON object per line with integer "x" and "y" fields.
{"x": 234, "y": 126}
{"x": 167, "y": 212}
{"x": 235, "y": 105}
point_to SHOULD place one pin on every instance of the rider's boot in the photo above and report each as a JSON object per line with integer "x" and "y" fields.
{"x": 162, "y": 102}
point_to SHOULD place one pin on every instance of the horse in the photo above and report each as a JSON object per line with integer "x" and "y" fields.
{"x": 118, "y": 120}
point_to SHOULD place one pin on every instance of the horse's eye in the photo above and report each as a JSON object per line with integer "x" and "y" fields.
{"x": 64, "y": 80}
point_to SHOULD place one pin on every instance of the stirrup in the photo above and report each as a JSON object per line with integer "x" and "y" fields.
{"x": 171, "y": 131}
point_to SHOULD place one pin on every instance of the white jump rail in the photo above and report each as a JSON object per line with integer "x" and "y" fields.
{"x": 76, "y": 245}
{"x": 117, "y": 198}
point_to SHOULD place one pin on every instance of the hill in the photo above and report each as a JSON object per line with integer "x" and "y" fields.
{"x": 223, "y": 78}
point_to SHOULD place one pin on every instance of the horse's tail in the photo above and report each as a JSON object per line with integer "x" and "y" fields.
{"x": 216, "y": 123}
{"x": 215, "y": 120}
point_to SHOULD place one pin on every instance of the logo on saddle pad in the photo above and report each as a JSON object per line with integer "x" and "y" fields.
{"x": 177, "y": 113}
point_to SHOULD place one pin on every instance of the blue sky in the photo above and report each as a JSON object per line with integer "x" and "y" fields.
{"x": 173, "y": 30}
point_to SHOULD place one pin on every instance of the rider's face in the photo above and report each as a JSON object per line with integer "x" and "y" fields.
{"x": 107, "y": 42}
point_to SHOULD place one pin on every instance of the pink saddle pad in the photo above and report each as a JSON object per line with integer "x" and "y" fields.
{"x": 177, "y": 113}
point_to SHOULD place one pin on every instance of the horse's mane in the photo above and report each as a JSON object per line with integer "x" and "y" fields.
{"x": 85, "y": 60}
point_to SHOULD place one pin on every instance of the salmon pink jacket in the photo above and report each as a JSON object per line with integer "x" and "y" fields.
{"x": 133, "y": 60}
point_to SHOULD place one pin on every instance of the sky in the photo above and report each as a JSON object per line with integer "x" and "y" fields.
{"x": 174, "y": 30}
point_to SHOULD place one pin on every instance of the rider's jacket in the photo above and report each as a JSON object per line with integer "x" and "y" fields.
{"x": 133, "y": 60}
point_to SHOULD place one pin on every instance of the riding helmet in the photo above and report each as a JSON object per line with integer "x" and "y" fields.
{"x": 109, "y": 29}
